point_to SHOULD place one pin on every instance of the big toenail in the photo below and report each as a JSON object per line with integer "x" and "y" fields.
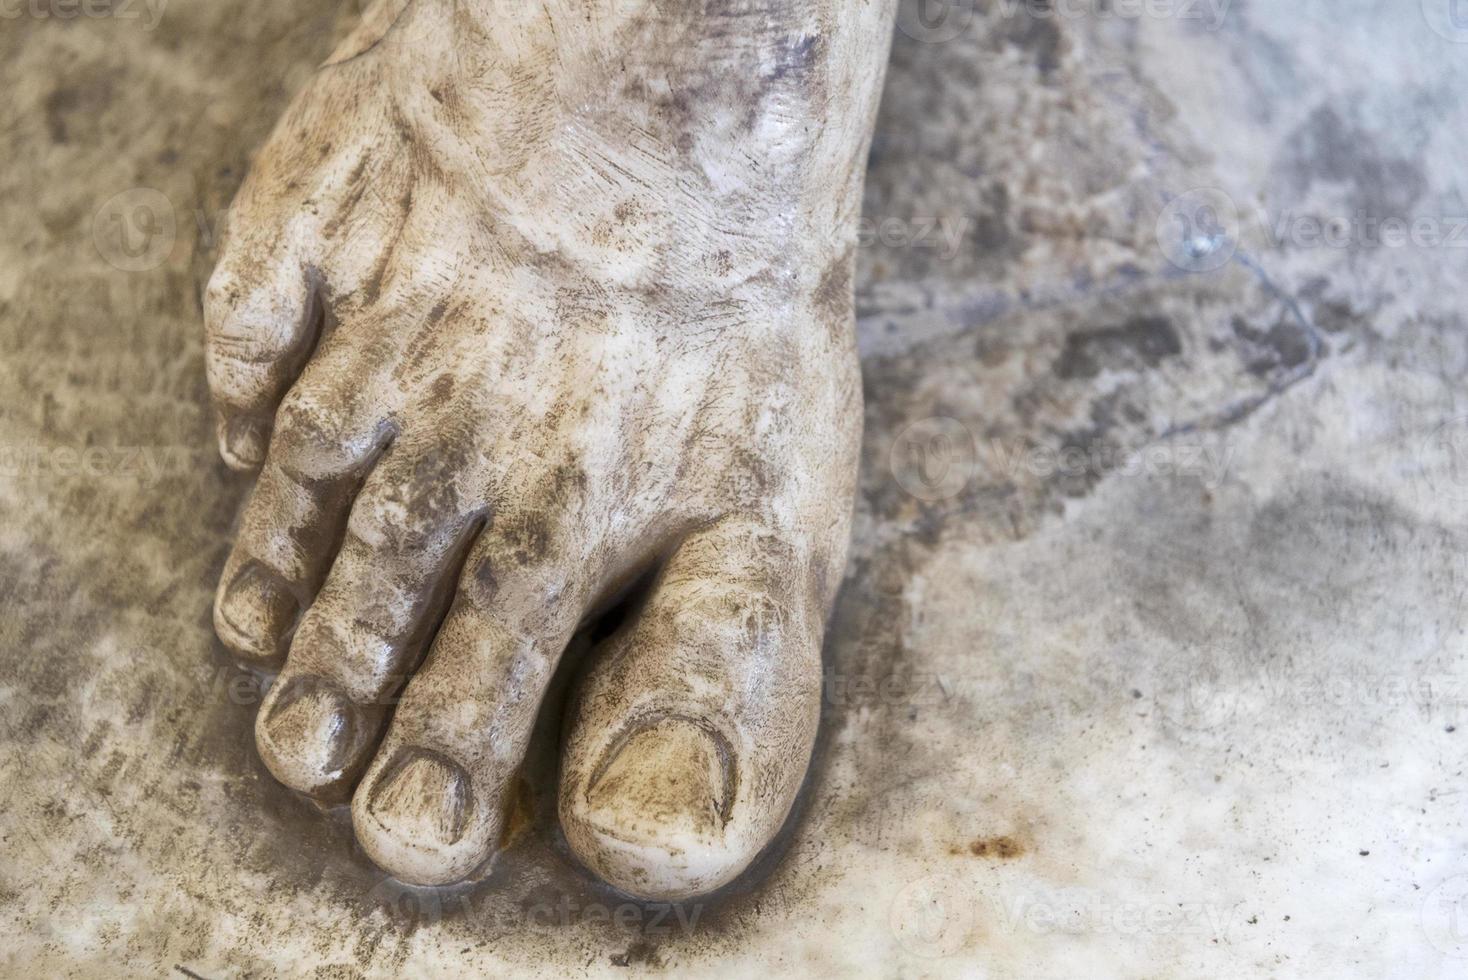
{"x": 312, "y": 729}
{"x": 422, "y": 796}
{"x": 669, "y": 769}
{"x": 259, "y": 611}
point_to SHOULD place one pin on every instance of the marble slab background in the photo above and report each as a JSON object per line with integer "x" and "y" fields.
{"x": 1151, "y": 657}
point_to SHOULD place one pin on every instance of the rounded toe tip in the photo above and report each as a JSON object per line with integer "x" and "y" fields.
{"x": 416, "y": 818}
{"x": 254, "y": 617}
{"x": 655, "y": 818}
{"x": 309, "y": 736}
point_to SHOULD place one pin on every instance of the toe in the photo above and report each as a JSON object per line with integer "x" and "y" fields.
{"x": 431, "y": 808}
{"x": 661, "y": 796}
{"x": 423, "y": 798}
{"x": 367, "y": 629}
{"x": 308, "y": 731}
{"x": 327, "y": 438}
{"x": 293, "y": 237}
{"x": 255, "y": 609}
{"x": 261, "y": 316}
{"x": 691, "y": 733}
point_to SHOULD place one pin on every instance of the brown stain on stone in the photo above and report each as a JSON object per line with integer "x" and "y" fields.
{"x": 1003, "y": 848}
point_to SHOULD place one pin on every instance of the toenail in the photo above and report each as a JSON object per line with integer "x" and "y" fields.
{"x": 312, "y": 730}
{"x": 670, "y": 771}
{"x": 242, "y": 442}
{"x": 422, "y": 796}
{"x": 259, "y": 612}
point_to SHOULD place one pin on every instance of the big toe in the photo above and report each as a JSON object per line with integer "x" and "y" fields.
{"x": 692, "y": 730}
{"x": 653, "y": 817}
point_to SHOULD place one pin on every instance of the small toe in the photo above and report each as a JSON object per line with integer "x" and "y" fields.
{"x": 309, "y": 732}
{"x": 255, "y": 612}
{"x": 296, "y": 512}
{"x": 369, "y": 624}
{"x": 417, "y": 815}
{"x": 242, "y": 440}
{"x": 422, "y": 800}
{"x": 261, "y": 316}
{"x": 432, "y": 807}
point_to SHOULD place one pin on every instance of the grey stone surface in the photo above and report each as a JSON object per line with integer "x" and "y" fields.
{"x": 1149, "y": 660}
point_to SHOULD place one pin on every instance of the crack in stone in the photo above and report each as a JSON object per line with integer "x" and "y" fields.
{"x": 1237, "y": 412}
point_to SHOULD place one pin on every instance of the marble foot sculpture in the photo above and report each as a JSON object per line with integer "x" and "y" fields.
{"x": 521, "y": 303}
